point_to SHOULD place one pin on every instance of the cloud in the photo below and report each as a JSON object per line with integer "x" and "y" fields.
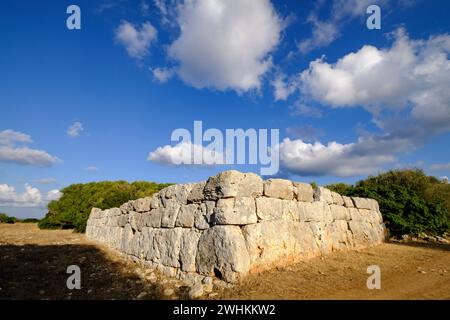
{"x": 91, "y": 168}
{"x": 282, "y": 88}
{"x": 136, "y": 40}
{"x": 45, "y": 181}
{"x": 75, "y": 129}
{"x": 324, "y": 32}
{"x": 30, "y": 198}
{"x": 184, "y": 153}
{"x": 444, "y": 179}
{"x": 440, "y": 167}
{"x": 225, "y": 44}
{"x": 344, "y": 160}
{"x": 23, "y": 155}
{"x": 9, "y": 137}
{"x": 162, "y": 75}
{"x": 412, "y": 76}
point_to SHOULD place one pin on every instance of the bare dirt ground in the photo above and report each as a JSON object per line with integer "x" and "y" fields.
{"x": 33, "y": 265}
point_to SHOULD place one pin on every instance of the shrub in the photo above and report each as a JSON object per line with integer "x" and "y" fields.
{"x": 4, "y": 218}
{"x": 72, "y": 210}
{"x": 410, "y": 201}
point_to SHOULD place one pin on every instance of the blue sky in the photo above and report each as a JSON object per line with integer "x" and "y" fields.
{"x": 350, "y": 101}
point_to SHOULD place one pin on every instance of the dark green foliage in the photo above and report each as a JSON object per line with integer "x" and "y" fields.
{"x": 72, "y": 210}
{"x": 30, "y": 220}
{"x": 410, "y": 201}
{"x": 4, "y": 218}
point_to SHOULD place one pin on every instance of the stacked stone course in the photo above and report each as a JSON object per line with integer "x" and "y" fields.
{"x": 236, "y": 223}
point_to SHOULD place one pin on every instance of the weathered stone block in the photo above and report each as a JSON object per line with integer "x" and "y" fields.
{"x": 279, "y": 188}
{"x": 269, "y": 208}
{"x": 303, "y": 192}
{"x": 233, "y": 184}
{"x": 323, "y": 194}
{"x": 222, "y": 252}
{"x": 235, "y": 211}
{"x": 186, "y": 216}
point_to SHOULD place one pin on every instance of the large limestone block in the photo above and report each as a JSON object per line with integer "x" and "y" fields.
{"x": 341, "y": 236}
{"x": 348, "y": 202}
{"x": 196, "y": 194}
{"x": 170, "y": 213}
{"x": 290, "y": 210}
{"x": 337, "y": 198}
{"x": 364, "y": 234}
{"x": 222, "y": 252}
{"x": 340, "y": 212}
{"x": 203, "y": 215}
{"x": 127, "y": 235}
{"x": 304, "y": 192}
{"x": 365, "y": 215}
{"x": 186, "y": 216}
{"x": 365, "y": 203}
{"x": 317, "y": 211}
{"x": 149, "y": 245}
{"x": 235, "y": 211}
{"x": 95, "y": 213}
{"x": 178, "y": 193}
{"x": 233, "y": 184}
{"x": 168, "y": 242}
{"x": 153, "y": 218}
{"x": 269, "y": 208}
{"x": 279, "y": 188}
{"x": 135, "y": 219}
{"x": 188, "y": 249}
{"x": 279, "y": 242}
{"x": 142, "y": 205}
{"x": 323, "y": 236}
{"x": 323, "y": 194}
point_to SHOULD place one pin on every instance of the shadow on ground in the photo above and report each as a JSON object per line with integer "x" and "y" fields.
{"x": 39, "y": 272}
{"x": 425, "y": 245}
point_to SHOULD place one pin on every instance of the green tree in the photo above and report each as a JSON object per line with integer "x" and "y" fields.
{"x": 72, "y": 210}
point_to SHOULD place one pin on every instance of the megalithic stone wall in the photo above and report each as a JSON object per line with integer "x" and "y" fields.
{"x": 236, "y": 223}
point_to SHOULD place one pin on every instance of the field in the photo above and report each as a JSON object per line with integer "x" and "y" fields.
{"x": 33, "y": 265}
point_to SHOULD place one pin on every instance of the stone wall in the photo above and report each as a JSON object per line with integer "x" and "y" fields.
{"x": 235, "y": 223}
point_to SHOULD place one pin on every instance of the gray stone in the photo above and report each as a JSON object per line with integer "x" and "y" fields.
{"x": 188, "y": 249}
{"x": 196, "y": 195}
{"x": 303, "y": 192}
{"x": 178, "y": 193}
{"x": 196, "y": 291}
{"x": 269, "y": 208}
{"x": 340, "y": 212}
{"x": 233, "y": 184}
{"x": 348, "y": 202}
{"x": 314, "y": 211}
{"x": 337, "y": 198}
{"x": 170, "y": 214}
{"x": 153, "y": 218}
{"x": 203, "y": 215}
{"x": 222, "y": 252}
{"x": 186, "y": 216}
{"x": 235, "y": 211}
{"x": 323, "y": 194}
{"x": 142, "y": 205}
{"x": 168, "y": 242}
{"x": 279, "y": 188}
{"x": 135, "y": 219}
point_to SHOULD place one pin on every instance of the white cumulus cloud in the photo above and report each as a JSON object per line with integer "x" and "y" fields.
{"x": 162, "y": 75}
{"x": 225, "y": 44}
{"x": 185, "y": 153}
{"x": 31, "y": 197}
{"x": 10, "y": 152}
{"x": 136, "y": 40}
{"x": 75, "y": 129}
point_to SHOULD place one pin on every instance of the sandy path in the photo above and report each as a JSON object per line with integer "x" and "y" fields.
{"x": 33, "y": 265}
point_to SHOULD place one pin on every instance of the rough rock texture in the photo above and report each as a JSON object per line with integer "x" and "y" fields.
{"x": 235, "y": 223}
